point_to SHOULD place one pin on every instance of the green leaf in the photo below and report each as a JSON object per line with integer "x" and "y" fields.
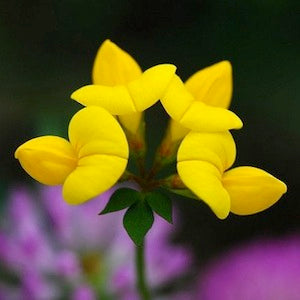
{"x": 121, "y": 199}
{"x": 161, "y": 204}
{"x": 138, "y": 219}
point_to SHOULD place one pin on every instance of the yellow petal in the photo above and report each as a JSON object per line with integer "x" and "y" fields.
{"x": 113, "y": 66}
{"x": 212, "y": 85}
{"x": 136, "y": 96}
{"x": 93, "y": 130}
{"x": 115, "y": 99}
{"x": 204, "y": 180}
{"x": 48, "y": 159}
{"x": 201, "y": 117}
{"x": 94, "y": 175}
{"x": 151, "y": 86}
{"x": 216, "y": 148}
{"x": 102, "y": 152}
{"x": 176, "y": 99}
{"x": 195, "y": 115}
{"x": 252, "y": 190}
{"x": 131, "y": 121}
{"x": 177, "y": 131}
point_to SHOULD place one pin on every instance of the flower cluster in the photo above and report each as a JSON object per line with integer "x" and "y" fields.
{"x": 111, "y": 127}
{"x": 51, "y": 250}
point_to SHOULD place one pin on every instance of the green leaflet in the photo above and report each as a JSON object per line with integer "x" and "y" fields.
{"x": 137, "y": 221}
{"x": 139, "y": 218}
{"x": 161, "y": 204}
{"x": 121, "y": 199}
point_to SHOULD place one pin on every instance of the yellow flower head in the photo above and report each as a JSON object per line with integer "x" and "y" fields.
{"x": 120, "y": 86}
{"x": 87, "y": 165}
{"x": 202, "y": 163}
{"x": 201, "y": 103}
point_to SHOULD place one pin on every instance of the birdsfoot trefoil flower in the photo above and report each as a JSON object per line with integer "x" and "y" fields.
{"x": 203, "y": 161}
{"x": 200, "y": 104}
{"x": 120, "y": 86}
{"x": 210, "y": 89}
{"x": 87, "y": 165}
{"x": 96, "y": 155}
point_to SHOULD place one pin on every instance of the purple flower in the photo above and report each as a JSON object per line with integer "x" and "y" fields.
{"x": 53, "y": 250}
{"x": 264, "y": 269}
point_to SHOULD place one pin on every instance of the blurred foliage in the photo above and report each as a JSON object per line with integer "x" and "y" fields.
{"x": 47, "y": 50}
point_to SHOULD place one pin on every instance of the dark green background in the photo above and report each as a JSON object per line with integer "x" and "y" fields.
{"x": 47, "y": 50}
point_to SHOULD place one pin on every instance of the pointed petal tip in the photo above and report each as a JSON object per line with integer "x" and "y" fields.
{"x": 108, "y": 44}
{"x": 81, "y": 92}
{"x": 252, "y": 190}
{"x": 222, "y": 215}
{"x": 282, "y": 186}
{"x": 226, "y": 64}
{"x": 221, "y": 210}
{"x": 231, "y": 120}
{"x": 22, "y": 148}
{"x": 167, "y": 68}
{"x": 238, "y": 124}
{"x": 107, "y": 41}
{"x": 77, "y": 93}
{"x": 172, "y": 67}
{"x": 223, "y": 66}
{"x": 16, "y": 154}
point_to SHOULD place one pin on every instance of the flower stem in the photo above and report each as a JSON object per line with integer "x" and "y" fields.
{"x": 140, "y": 273}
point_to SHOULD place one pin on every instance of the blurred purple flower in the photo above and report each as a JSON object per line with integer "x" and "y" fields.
{"x": 264, "y": 269}
{"x": 53, "y": 250}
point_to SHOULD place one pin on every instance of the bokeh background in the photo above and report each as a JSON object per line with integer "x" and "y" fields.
{"x": 47, "y": 50}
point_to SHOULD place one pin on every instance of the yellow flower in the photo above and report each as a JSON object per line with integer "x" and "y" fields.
{"x": 201, "y": 103}
{"x": 212, "y": 88}
{"x": 87, "y": 165}
{"x": 202, "y": 161}
{"x": 120, "y": 86}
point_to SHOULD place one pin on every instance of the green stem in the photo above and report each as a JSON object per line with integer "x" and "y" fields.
{"x": 140, "y": 273}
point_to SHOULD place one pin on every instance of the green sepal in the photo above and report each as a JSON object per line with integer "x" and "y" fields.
{"x": 137, "y": 221}
{"x": 120, "y": 199}
{"x": 161, "y": 204}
